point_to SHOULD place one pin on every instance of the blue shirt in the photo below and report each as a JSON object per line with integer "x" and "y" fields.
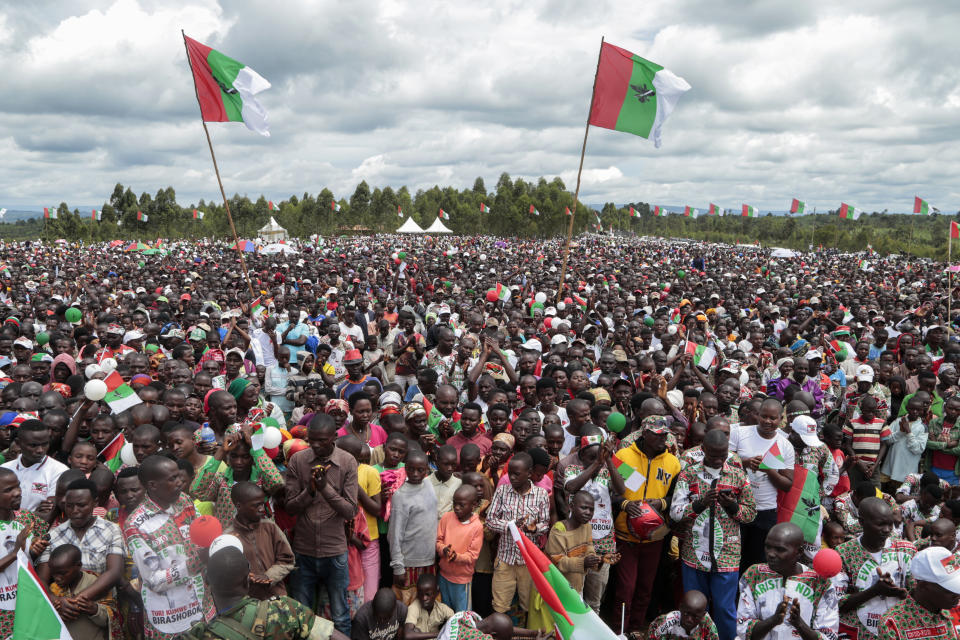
{"x": 298, "y": 330}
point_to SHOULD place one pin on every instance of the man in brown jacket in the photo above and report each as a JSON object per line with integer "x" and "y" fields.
{"x": 264, "y": 544}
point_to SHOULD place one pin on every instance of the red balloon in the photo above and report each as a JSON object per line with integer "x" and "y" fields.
{"x": 547, "y": 322}
{"x": 568, "y": 301}
{"x": 204, "y": 530}
{"x": 827, "y": 563}
{"x": 492, "y": 296}
{"x": 271, "y": 451}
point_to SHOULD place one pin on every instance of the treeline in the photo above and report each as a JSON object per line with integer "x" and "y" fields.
{"x": 376, "y": 211}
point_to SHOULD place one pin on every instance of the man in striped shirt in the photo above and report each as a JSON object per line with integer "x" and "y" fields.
{"x": 868, "y": 433}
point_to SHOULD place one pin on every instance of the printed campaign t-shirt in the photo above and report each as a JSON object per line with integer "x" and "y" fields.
{"x": 860, "y": 572}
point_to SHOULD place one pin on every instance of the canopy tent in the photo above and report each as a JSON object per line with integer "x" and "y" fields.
{"x": 278, "y": 248}
{"x": 272, "y": 232}
{"x": 438, "y": 227}
{"x": 410, "y": 227}
{"x": 783, "y": 253}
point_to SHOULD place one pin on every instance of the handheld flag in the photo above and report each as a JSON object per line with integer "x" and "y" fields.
{"x": 120, "y": 396}
{"x": 632, "y": 478}
{"x": 847, "y": 212}
{"x": 633, "y": 95}
{"x": 703, "y": 357}
{"x": 574, "y": 620}
{"x": 34, "y": 616}
{"x": 773, "y": 459}
{"x": 750, "y": 212}
{"x": 226, "y": 88}
{"x": 111, "y": 453}
{"x": 797, "y": 206}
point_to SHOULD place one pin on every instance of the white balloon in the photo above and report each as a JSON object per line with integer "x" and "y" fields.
{"x": 95, "y": 390}
{"x": 92, "y": 370}
{"x": 108, "y": 365}
{"x": 483, "y": 257}
{"x": 126, "y": 455}
{"x": 271, "y": 437}
{"x": 540, "y": 297}
{"x": 561, "y": 306}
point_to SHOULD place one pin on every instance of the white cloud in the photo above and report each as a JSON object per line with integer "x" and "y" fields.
{"x": 821, "y": 100}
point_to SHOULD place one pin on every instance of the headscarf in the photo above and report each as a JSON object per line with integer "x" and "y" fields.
{"x": 412, "y": 409}
{"x": 600, "y": 394}
{"x": 506, "y": 438}
{"x": 215, "y": 355}
{"x": 337, "y": 405}
{"x": 68, "y": 360}
{"x": 237, "y": 387}
{"x": 62, "y": 389}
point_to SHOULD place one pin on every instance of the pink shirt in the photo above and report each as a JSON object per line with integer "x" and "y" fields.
{"x": 377, "y": 435}
{"x": 546, "y": 482}
{"x": 466, "y": 540}
{"x": 482, "y": 440}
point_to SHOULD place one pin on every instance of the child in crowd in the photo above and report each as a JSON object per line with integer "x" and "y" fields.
{"x": 443, "y": 481}
{"x": 412, "y": 532}
{"x": 459, "y": 540}
{"x": 425, "y": 615}
{"x": 570, "y": 544}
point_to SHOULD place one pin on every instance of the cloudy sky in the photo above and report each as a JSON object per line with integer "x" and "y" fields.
{"x": 824, "y": 100}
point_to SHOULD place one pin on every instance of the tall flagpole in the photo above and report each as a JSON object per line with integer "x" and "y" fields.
{"x": 949, "y": 280}
{"x": 576, "y": 195}
{"x": 216, "y": 169}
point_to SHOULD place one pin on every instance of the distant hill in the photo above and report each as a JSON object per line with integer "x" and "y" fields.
{"x": 25, "y": 212}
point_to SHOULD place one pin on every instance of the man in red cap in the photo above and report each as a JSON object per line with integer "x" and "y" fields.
{"x": 356, "y": 375}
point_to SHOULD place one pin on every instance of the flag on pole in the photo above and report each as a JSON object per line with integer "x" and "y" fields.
{"x": 443, "y": 215}
{"x": 142, "y": 217}
{"x": 922, "y": 207}
{"x": 533, "y": 210}
{"x": 750, "y": 212}
{"x": 801, "y": 505}
{"x": 399, "y": 211}
{"x": 632, "y": 94}
{"x": 797, "y": 206}
{"x": 34, "y": 617}
{"x": 713, "y": 210}
{"x": 848, "y": 213}
{"x": 484, "y": 208}
{"x": 687, "y": 211}
{"x": 573, "y": 619}
{"x": 597, "y": 216}
{"x": 703, "y": 357}
{"x": 773, "y": 459}
{"x": 226, "y": 88}
{"x": 658, "y": 211}
{"x": 954, "y": 230}
{"x": 96, "y": 215}
{"x": 50, "y": 213}
{"x": 567, "y": 211}
{"x": 335, "y": 206}
{"x": 271, "y": 206}
{"x": 120, "y": 396}
{"x": 111, "y": 453}
{"x": 3, "y": 212}
{"x": 197, "y": 214}
{"x": 633, "y": 213}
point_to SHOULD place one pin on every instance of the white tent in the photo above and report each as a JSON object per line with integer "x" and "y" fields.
{"x": 410, "y": 227}
{"x": 438, "y": 227}
{"x": 272, "y": 231}
{"x": 278, "y": 248}
{"x": 783, "y": 253}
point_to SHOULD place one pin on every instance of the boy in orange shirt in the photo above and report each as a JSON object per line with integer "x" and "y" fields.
{"x": 459, "y": 538}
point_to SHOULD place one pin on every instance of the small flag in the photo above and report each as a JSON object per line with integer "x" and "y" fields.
{"x": 632, "y": 478}
{"x": 750, "y": 212}
{"x": 534, "y": 211}
{"x": 703, "y": 357}
{"x": 954, "y": 230}
{"x": 848, "y": 213}
{"x": 633, "y": 213}
{"x": 399, "y": 212}
{"x": 226, "y": 88}
{"x": 713, "y": 210}
{"x": 773, "y": 459}
{"x": 443, "y": 215}
{"x": 197, "y": 214}
{"x": 567, "y": 211}
{"x": 142, "y": 217}
{"x": 111, "y": 453}
{"x": 335, "y": 206}
{"x": 922, "y": 207}
{"x": 658, "y": 211}
{"x": 632, "y": 94}
{"x": 503, "y": 292}
{"x": 50, "y": 213}
{"x": 271, "y": 206}
{"x": 120, "y": 396}
{"x": 484, "y": 208}
{"x": 580, "y": 302}
{"x": 797, "y": 206}
{"x": 34, "y": 617}
{"x": 259, "y": 306}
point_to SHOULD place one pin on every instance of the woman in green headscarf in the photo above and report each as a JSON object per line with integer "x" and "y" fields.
{"x": 250, "y": 406}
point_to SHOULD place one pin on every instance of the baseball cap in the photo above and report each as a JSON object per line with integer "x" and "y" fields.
{"x": 221, "y": 542}
{"x": 558, "y": 339}
{"x": 864, "y": 373}
{"x": 656, "y": 424}
{"x": 938, "y": 565}
{"x": 814, "y": 354}
{"x": 23, "y": 342}
{"x": 198, "y": 334}
{"x": 533, "y": 345}
{"x": 806, "y": 428}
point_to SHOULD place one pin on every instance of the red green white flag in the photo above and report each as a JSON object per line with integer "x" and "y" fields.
{"x": 111, "y": 453}
{"x": 703, "y": 357}
{"x": 632, "y": 478}
{"x": 120, "y": 396}
{"x": 713, "y": 210}
{"x": 399, "y": 211}
{"x": 226, "y": 88}
{"x": 801, "y": 505}
{"x": 954, "y": 230}
{"x": 142, "y": 217}
{"x": 847, "y": 212}
{"x": 923, "y": 207}
{"x": 34, "y": 616}
{"x": 96, "y": 215}
{"x": 658, "y": 211}
{"x": 580, "y": 302}
{"x": 335, "y": 206}
{"x": 533, "y": 210}
{"x": 271, "y": 206}
{"x": 750, "y": 212}
{"x": 50, "y": 213}
{"x": 797, "y": 206}
{"x": 773, "y": 459}
{"x": 484, "y": 208}
{"x": 633, "y": 213}
{"x": 443, "y": 215}
{"x": 567, "y": 211}
{"x": 633, "y": 94}
{"x": 573, "y": 619}
{"x": 197, "y": 214}
{"x": 502, "y": 291}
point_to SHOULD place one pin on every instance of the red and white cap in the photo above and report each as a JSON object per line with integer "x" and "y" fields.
{"x": 806, "y": 428}
{"x": 938, "y": 565}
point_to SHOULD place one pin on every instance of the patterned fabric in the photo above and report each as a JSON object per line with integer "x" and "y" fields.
{"x": 820, "y": 461}
{"x": 599, "y": 488}
{"x": 9, "y": 530}
{"x": 532, "y": 506}
{"x": 215, "y": 485}
{"x": 867, "y": 437}
{"x": 667, "y": 627}
{"x": 285, "y": 619}
{"x": 713, "y": 541}
{"x": 762, "y": 590}
{"x": 939, "y": 433}
{"x": 101, "y": 539}
{"x": 879, "y": 392}
{"x": 847, "y": 514}
{"x": 169, "y": 565}
{"x": 908, "y": 620}
{"x": 911, "y": 484}
{"x": 860, "y": 573}
{"x": 912, "y": 512}
{"x": 695, "y": 454}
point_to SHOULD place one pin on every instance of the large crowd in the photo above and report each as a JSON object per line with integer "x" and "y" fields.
{"x": 345, "y": 441}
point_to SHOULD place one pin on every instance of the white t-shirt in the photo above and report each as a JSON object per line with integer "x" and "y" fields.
{"x": 747, "y": 443}
{"x": 38, "y": 482}
{"x": 354, "y": 334}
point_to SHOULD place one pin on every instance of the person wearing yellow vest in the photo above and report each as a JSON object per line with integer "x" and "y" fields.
{"x": 649, "y": 472}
